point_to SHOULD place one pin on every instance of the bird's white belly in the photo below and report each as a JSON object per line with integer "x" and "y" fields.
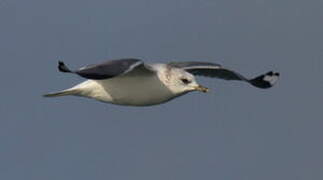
{"x": 135, "y": 91}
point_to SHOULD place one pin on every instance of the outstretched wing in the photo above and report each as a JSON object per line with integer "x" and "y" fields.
{"x": 217, "y": 71}
{"x": 109, "y": 69}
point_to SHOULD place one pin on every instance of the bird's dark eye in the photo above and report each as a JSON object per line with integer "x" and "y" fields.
{"x": 185, "y": 81}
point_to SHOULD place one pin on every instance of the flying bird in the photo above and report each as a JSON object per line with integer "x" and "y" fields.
{"x": 135, "y": 83}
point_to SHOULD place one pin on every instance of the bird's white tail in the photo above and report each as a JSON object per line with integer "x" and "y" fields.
{"x": 62, "y": 93}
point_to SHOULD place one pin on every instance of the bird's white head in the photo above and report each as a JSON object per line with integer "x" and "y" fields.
{"x": 179, "y": 81}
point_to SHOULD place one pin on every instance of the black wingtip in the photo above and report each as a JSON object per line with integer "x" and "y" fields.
{"x": 265, "y": 81}
{"x": 62, "y": 67}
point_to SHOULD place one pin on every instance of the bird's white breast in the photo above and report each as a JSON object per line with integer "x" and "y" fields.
{"x": 129, "y": 90}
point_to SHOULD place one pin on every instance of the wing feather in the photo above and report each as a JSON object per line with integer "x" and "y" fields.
{"x": 217, "y": 71}
{"x": 109, "y": 69}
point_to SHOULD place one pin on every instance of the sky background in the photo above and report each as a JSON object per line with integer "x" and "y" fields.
{"x": 234, "y": 132}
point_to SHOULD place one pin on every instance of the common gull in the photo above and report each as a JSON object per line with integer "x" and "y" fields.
{"x": 135, "y": 83}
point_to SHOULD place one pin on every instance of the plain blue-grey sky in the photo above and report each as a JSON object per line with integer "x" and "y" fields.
{"x": 234, "y": 132}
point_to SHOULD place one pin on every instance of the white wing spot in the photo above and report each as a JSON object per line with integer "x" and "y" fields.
{"x": 272, "y": 79}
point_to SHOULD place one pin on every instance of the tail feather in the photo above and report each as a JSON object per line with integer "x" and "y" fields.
{"x": 62, "y": 93}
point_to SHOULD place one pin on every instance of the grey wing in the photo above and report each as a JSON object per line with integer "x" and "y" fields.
{"x": 109, "y": 69}
{"x": 217, "y": 71}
